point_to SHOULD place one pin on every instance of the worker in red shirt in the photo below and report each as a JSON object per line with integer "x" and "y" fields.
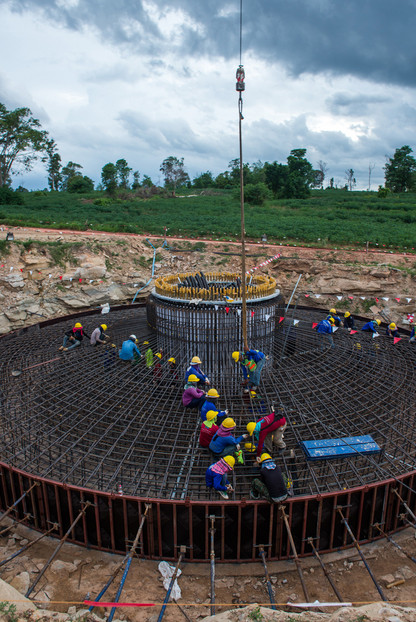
{"x": 273, "y": 425}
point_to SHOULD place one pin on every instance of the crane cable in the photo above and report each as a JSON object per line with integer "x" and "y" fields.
{"x": 240, "y": 87}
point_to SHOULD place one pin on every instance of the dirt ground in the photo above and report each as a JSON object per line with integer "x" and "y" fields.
{"x": 77, "y": 574}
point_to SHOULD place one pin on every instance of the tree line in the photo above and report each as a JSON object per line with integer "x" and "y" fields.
{"x": 23, "y": 141}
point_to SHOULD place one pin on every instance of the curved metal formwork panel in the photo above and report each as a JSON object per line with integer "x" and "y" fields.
{"x": 84, "y": 424}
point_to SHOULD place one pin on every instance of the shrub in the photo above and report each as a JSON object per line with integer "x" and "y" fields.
{"x": 10, "y": 197}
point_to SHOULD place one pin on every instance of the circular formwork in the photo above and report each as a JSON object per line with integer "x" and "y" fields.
{"x": 83, "y": 424}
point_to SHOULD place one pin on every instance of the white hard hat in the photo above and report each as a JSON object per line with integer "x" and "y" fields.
{"x": 133, "y": 337}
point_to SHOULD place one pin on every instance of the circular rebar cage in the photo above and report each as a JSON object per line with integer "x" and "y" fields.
{"x": 87, "y": 426}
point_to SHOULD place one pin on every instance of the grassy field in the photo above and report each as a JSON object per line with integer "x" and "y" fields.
{"x": 326, "y": 218}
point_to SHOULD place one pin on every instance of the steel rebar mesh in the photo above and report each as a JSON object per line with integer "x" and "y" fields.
{"x": 92, "y": 420}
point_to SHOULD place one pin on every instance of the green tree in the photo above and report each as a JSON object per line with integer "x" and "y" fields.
{"x": 300, "y": 175}
{"x": 204, "y": 180}
{"x": 256, "y": 194}
{"x": 109, "y": 178}
{"x": 80, "y": 184}
{"x": 147, "y": 182}
{"x": 398, "y": 170}
{"x": 223, "y": 180}
{"x": 72, "y": 169}
{"x": 174, "y": 173}
{"x": 21, "y": 141}
{"x": 54, "y": 166}
{"x": 276, "y": 177}
{"x": 123, "y": 173}
{"x": 136, "y": 180}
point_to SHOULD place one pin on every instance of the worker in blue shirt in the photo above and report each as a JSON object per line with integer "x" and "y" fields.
{"x": 325, "y": 328}
{"x": 372, "y": 326}
{"x": 211, "y": 404}
{"x": 252, "y": 362}
{"x": 413, "y": 335}
{"x": 129, "y": 351}
{"x": 333, "y": 313}
{"x": 196, "y": 370}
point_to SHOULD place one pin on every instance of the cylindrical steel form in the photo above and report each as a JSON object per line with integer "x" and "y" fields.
{"x": 85, "y": 425}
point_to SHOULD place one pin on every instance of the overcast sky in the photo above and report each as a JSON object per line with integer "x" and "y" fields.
{"x": 146, "y": 79}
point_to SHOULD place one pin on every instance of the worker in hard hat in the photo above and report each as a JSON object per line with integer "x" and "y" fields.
{"x": 224, "y": 443}
{"x": 372, "y": 326}
{"x": 211, "y": 403}
{"x": 129, "y": 351}
{"x": 349, "y": 323}
{"x": 157, "y": 367}
{"x": 267, "y": 431}
{"x": 413, "y": 335}
{"x": 208, "y": 428}
{"x": 73, "y": 336}
{"x": 193, "y": 397}
{"x": 392, "y": 330}
{"x": 333, "y": 313}
{"x": 148, "y": 354}
{"x": 252, "y": 362}
{"x": 98, "y": 335}
{"x": 173, "y": 370}
{"x": 325, "y": 328}
{"x": 194, "y": 368}
{"x": 270, "y": 485}
{"x": 216, "y": 476}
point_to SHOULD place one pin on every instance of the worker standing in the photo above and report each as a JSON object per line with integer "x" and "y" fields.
{"x": 392, "y": 330}
{"x": 208, "y": 428}
{"x": 129, "y": 351}
{"x": 224, "y": 443}
{"x": 211, "y": 404}
{"x": 270, "y": 485}
{"x": 325, "y": 328}
{"x": 349, "y": 323}
{"x": 194, "y": 368}
{"x": 333, "y": 313}
{"x": 98, "y": 335}
{"x": 73, "y": 336}
{"x": 372, "y": 326}
{"x": 252, "y": 362}
{"x": 193, "y": 397}
{"x": 216, "y": 476}
{"x": 268, "y": 431}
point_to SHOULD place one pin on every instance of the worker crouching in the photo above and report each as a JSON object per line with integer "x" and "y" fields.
{"x": 73, "y": 337}
{"x": 267, "y": 431}
{"x": 270, "y": 485}
{"x": 208, "y": 428}
{"x": 216, "y": 476}
{"x": 224, "y": 443}
{"x": 192, "y": 397}
{"x": 129, "y": 351}
{"x": 211, "y": 404}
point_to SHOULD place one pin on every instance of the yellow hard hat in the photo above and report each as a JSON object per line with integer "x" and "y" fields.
{"x": 331, "y": 320}
{"x": 250, "y": 446}
{"x": 171, "y": 360}
{"x": 193, "y": 378}
{"x": 378, "y": 322}
{"x": 347, "y": 314}
{"x": 213, "y": 393}
{"x": 78, "y": 325}
{"x": 196, "y": 360}
{"x": 145, "y": 343}
{"x": 212, "y": 414}
{"x": 230, "y": 460}
{"x": 103, "y": 326}
{"x": 228, "y": 423}
{"x": 253, "y": 393}
{"x": 250, "y": 427}
{"x": 158, "y": 355}
{"x": 332, "y": 310}
{"x": 264, "y": 457}
{"x": 236, "y": 356}
{"x": 392, "y": 325}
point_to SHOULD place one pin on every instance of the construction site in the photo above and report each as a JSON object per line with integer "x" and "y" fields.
{"x": 98, "y": 447}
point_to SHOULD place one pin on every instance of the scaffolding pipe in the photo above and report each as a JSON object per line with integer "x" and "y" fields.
{"x": 268, "y": 582}
{"x": 295, "y": 555}
{"x": 394, "y": 543}
{"x": 172, "y": 581}
{"x": 326, "y": 573}
{"x": 212, "y": 563}
{"x": 361, "y": 554}
{"x": 11, "y": 508}
{"x": 405, "y": 504}
{"x": 127, "y": 559}
{"x": 27, "y": 546}
{"x": 58, "y": 548}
